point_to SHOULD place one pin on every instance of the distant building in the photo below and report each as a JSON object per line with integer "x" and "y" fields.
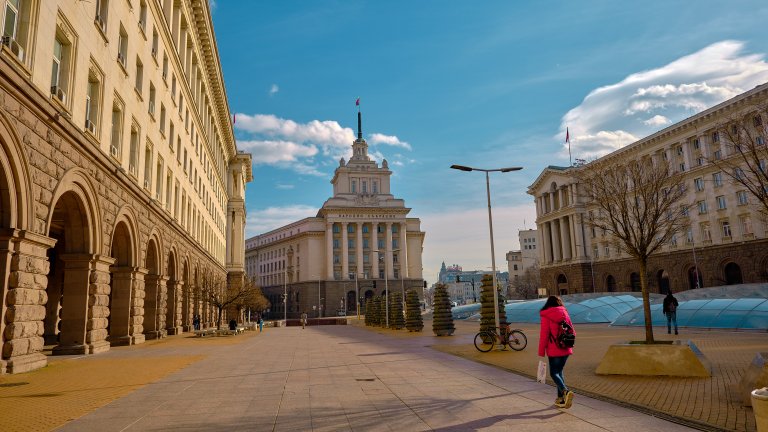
{"x": 360, "y": 240}
{"x": 521, "y": 260}
{"x": 464, "y": 286}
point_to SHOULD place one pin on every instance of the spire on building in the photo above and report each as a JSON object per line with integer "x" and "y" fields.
{"x": 359, "y": 126}
{"x": 359, "y": 146}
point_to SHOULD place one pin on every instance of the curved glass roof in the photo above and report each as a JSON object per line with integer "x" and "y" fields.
{"x": 583, "y": 308}
{"x": 733, "y": 307}
{"x": 698, "y": 308}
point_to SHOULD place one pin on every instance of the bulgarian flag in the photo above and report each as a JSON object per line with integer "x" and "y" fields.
{"x": 357, "y": 102}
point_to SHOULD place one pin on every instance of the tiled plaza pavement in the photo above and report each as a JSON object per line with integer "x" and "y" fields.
{"x": 713, "y": 403}
{"x": 341, "y": 378}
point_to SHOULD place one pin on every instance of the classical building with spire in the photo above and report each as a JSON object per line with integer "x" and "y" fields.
{"x": 360, "y": 242}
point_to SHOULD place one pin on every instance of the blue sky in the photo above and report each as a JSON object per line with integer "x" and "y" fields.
{"x": 444, "y": 82}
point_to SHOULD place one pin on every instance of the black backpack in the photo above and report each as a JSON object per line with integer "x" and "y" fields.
{"x": 565, "y": 337}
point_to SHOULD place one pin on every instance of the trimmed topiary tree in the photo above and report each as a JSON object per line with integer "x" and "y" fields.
{"x": 413, "y": 321}
{"x": 368, "y": 311}
{"x": 487, "y": 318}
{"x": 378, "y": 310}
{"x": 396, "y": 317}
{"x": 442, "y": 321}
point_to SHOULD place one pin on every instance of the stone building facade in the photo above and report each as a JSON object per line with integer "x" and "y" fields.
{"x": 120, "y": 181}
{"x": 360, "y": 242}
{"x": 727, "y": 239}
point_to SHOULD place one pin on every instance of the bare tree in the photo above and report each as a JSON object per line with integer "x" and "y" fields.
{"x": 214, "y": 289}
{"x": 254, "y": 299}
{"x": 742, "y": 153}
{"x": 638, "y": 203}
{"x": 528, "y": 284}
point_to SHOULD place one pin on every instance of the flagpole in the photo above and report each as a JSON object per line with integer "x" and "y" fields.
{"x": 568, "y": 140}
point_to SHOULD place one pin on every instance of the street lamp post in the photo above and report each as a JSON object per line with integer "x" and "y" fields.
{"x": 285, "y": 297}
{"x": 386, "y": 284}
{"x": 490, "y": 226}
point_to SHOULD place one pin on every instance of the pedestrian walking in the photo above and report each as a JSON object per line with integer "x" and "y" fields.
{"x": 551, "y": 343}
{"x": 303, "y": 320}
{"x": 670, "y": 310}
{"x": 261, "y": 324}
{"x": 196, "y": 322}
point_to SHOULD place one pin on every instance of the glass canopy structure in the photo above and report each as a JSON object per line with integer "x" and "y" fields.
{"x": 742, "y": 307}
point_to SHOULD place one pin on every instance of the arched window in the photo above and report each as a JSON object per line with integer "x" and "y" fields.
{"x": 662, "y": 277}
{"x": 634, "y": 282}
{"x": 733, "y": 274}
{"x": 695, "y": 279}
{"x": 610, "y": 283}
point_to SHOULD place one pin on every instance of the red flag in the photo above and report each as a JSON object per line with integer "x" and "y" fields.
{"x": 567, "y": 136}
{"x": 357, "y": 102}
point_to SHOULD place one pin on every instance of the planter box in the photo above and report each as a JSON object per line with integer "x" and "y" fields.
{"x": 680, "y": 358}
{"x": 755, "y": 377}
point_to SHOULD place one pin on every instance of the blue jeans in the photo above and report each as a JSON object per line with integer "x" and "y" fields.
{"x": 556, "y": 365}
{"x": 671, "y": 317}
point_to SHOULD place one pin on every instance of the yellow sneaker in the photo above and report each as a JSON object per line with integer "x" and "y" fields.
{"x": 568, "y": 399}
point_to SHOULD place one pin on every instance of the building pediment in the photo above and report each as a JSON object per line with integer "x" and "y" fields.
{"x": 550, "y": 174}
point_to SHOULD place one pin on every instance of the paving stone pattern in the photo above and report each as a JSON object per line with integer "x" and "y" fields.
{"x": 347, "y": 378}
{"x": 714, "y": 402}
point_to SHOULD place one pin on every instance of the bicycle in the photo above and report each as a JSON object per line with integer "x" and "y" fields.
{"x": 487, "y": 339}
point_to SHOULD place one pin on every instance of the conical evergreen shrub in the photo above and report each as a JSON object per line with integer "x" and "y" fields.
{"x": 413, "y": 321}
{"x": 368, "y": 311}
{"x": 442, "y": 321}
{"x": 396, "y": 319}
{"x": 378, "y": 311}
{"x": 487, "y": 318}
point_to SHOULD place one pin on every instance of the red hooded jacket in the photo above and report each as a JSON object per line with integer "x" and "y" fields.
{"x": 550, "y": 320}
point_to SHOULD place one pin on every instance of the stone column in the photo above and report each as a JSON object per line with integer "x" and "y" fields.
{"x": 359, "y": 270}
{"x": 136, "y": 329}
{"x": 580, "y": 236}
{"x": 572, "y": 233}
{"x": 388, "y": 248}
{"x": 403, "y": 251}
{"x": 154, "y": 306}
{"x": 556, "y": 248}
{"x": 344, "y": 251}
{"x": 173, "y": 314}
{"x": 552, "y": 201}
{"x": 120, "y": 306}
{"x": 547, "y": 240}
{"x": 329, "y": 250}
{"x": 375, "y": 246}
{"x": 24, "y": 262}
{"x": 565, "y": 237}
{"x": 84, "y": 315}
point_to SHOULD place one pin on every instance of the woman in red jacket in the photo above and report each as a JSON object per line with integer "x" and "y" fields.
{"x": 552, "y": 314}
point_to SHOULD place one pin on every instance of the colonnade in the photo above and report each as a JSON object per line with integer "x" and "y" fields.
{"x": 338, "y": 260}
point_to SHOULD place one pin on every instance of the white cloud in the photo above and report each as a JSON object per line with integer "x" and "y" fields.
{"x": 657, "y": 120}
{"x": 271, "y": 152}
{"x": 213, "y": 5}
{"x": 302, "y": 147}
{"x": 461, "y": 236}
{"x": 615, "y": 115}
{"x": 260, "y": 221}
{"x": 284, "y": 186}
{"x": 274, "y": 89}
{"x": 377, "y": 138}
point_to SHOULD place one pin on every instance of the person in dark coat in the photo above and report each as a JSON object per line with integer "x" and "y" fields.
{"x": 552, "y": 313}
{"x": 670, "y": 310}
{"x": 232, "y": 324}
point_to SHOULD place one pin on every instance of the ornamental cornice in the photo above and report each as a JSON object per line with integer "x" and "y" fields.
{"x": 204, "y": 24}
{"x": 360, "y": 212}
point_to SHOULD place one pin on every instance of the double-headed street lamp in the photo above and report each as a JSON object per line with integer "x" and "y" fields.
{"x": 386, "y": 283}
{"x": 490, "y": 225}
